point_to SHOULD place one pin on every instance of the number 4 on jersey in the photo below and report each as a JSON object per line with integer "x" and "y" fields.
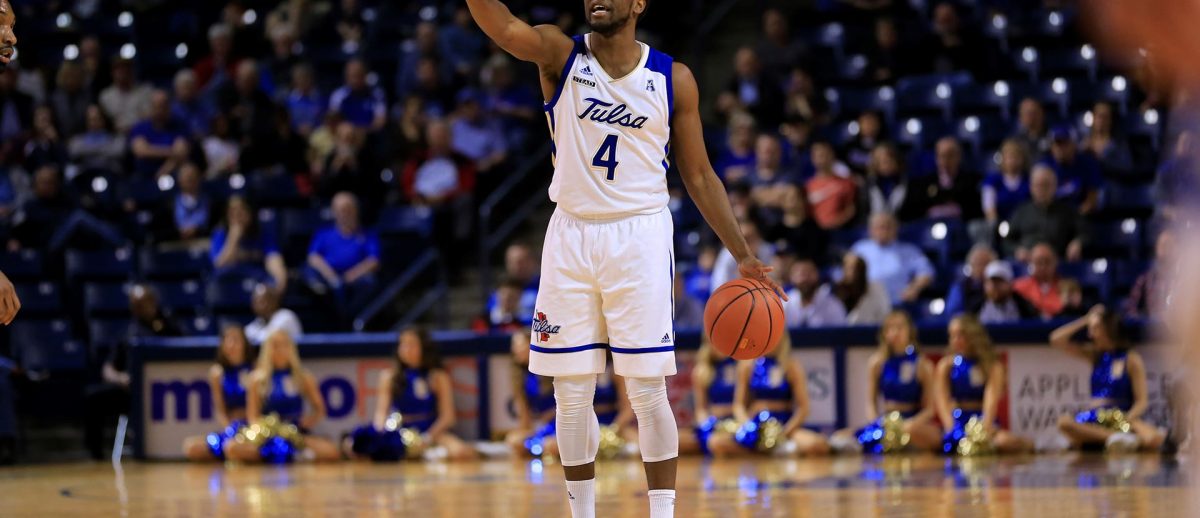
{"x": 606, "y": 157}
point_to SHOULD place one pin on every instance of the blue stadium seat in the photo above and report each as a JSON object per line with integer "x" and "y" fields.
{"x": 937, "y": 237}
{"x": 104, "y": 333}
{"x": 981, "y": 132}
{"x": 297, "y": 227}
{"x": 273, "y": 190}
{"x": 1070, "y": 62}
{"x": 925, "y": 95}
{"x": 920, "y": 132}
{"x": 204, "y": 325}
{"x": 227, "y": 296}
{"x": 853, "y": 69}
{"x": 1127, "y": 201}
{"x": 1116, "y": 240}
{"x": 181, "y": 298}
{"x": 43, "y": 299}
{"x": 1115, "y": 90}
{"x": 1148, "y": 124}
{"x": 974, "y": 99}
{"x": 1055, "y": 94}
{"x": 99, "y": 265}
{"x": 929, "y": 310}
{"x": 1093, "y": 276}
{"x": 850, "y": 102}
{"x": 146, "y": 192}
{"x": 174, "y": 265}
{"x": 47, "y": 345}
{"x": 1029, "y": 61}
{"x": 832, "y": 36}
{"x": 405, "y": 221}
{"x": 1125, "y": 273}
{"x": 106, "y": 299}
{"x": 23, "y": 265}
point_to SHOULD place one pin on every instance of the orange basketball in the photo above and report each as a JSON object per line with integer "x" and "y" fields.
{"x": 744, "y": 319}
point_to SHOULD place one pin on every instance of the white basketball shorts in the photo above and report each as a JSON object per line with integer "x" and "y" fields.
{"x": 607, "y": 285}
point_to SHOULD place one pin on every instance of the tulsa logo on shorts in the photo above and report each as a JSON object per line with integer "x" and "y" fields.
{"x": 543, "y": 328}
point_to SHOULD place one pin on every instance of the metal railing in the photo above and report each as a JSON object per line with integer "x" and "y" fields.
{"x": 416, "y": 271}
{"x": 489, "y": 238}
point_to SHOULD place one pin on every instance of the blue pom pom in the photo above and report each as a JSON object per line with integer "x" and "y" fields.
{"x": 277, "y": 450}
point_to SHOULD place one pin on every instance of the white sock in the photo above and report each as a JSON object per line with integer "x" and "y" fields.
{"x": 581, "y": 494}
{"x": 662, "y": 503}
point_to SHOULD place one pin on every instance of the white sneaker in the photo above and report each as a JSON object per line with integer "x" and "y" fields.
{"x": 843, "y": 445}
{"x": 1121, "y": 443}
{"x": 1053, "y": 443}
{"x": 435, "y": 453}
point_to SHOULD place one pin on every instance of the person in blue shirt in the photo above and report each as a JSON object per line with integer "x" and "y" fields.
{"x": 159, "y": 144}
{"x": 1006, "y": 188}
{"x": 1118, "y": 383}
{"x": 359, "y": 103}
{"x": 714, "y": 381}
{"x": 967, "y": 291}
{"x": 901, "y": 267}
{"x": 343, "y": 257}
{"x": 1078, "y": 171}
{"x": 191, "y": 110}
{"x": 241, "y": 247}
{"x": 304, "y": 102}
{"x": 191, "y": 204}
{"x": 968, "y": 383}
{"x": 520, "y": 265}
{"x": 227, "y": 380}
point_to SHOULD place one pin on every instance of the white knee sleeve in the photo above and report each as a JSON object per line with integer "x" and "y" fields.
{"x": 578, "y": 431}
{"x": 658, "y": 437}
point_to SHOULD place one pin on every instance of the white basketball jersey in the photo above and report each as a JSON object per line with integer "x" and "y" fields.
{"x": 611, "y": 135}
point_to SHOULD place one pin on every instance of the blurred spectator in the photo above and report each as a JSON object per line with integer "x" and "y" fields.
{"x": 859, "y": 148}
{"x": 350, "y": 24}
{"x": 689, "y": 311}
{"x": 436, "y": 93}
{"x": 189, "y": 109}
{"x": 1041, "y": 286}
{"x": 1045, "y": 219}
{"x": 97, "y": 72}
{"x": 462, "y": 43}
{"x": 476, "y": 135}
{"x": 1175, "y": 184}
{"x": 17, "y": 109}
{"x": 520, "y": 266}
{"x": 304, "y": 102}
{"x": 1075, "y": 303}
{"x": 1031, "y": 126}
{"x": 737, "y": 159}
{"x": 886, "y": 185}
{"x": 725, "y": 268}
{"x": 270, "y": 315}
{"x": 886, "y": 59}
{"x": 126, "y": 101}
{"x": 70, "y": 100}
{"x": 951, "y": 48}
{"x": 504, "y": 314}
{"x": 1077, "y": 171}
{"x": 951, "y": 193}
{"x": 866, "y": 302}
{"x": 159, "y": 144}
{"x": 108, "y": 399}
{"x": 769, "y": 181}
{"x": 902, "y": 268}
{"x": 191, "y": 205}
{"x": 832, "y": 196}
{"x": 797, "y": 231}
{"x": 221, "y": 151}
{"x": 278, "y": 66}
{"x": 1149, "y": 293}
{"x": 698, "y": 278}
{"x": 242, "y": 248}
{"x": 220, "y": 64}
{"x": 999, "y": 305}
{"x": 967, "y": 291}
{"x": 99, "y": 147}
{"x": 410, "y": 126}
{"x": 297, "y": 16}
{"x": 802, "y": 99}
{"x": 811, "y": 303}
{"x": 1103, "y": 142}
{"x": 346, "y": 164}
{"x": 777, "y": 48}
{"x": 797, "y": 139}
{"x": 360, "y": 104}
{"x": 1007, "y": 188}
{"x": 343, "y": 258}
{"x": 751, "y": 89}
{"x": 51, "y": 220}
{"x": 513, "y": 103}
{"x": 250, "y": 112}
{"x": 44, "y": 147}
{"x": 443, "y": 180}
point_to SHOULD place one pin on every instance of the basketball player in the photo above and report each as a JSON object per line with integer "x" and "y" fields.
{"x": 615, "y": 107}
{"x": 9, "y": 303}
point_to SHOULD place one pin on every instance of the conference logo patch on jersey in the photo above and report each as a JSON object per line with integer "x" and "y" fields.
{"x": 584, "y": 82}
{"x": 543, "y": 328}
{"x": 605, "y": 112}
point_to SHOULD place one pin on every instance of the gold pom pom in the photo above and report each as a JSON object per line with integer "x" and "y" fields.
{"x": 770, "y": 435}
{"x": 270, "y": 426}
{"x": 976, "y": 439}
{"x": 611, "y": 442}
{"x": 414, "y": 444}
{"x": 393, "y": 422}
{"x": 1113, "y": 419}
{"x": 728, "y": 426}
{"x": 895, "y": 439}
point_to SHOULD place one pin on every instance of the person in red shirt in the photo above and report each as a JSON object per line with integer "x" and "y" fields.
{"x": 1041, "y": 286}
{"x": 832, "y": 197}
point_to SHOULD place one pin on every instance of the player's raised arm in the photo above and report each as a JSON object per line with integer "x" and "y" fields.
{"x": 687, "y": 139}
{"x": 545, "y": 45}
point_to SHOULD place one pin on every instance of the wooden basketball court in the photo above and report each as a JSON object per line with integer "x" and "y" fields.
{"x": 919, "y": 486}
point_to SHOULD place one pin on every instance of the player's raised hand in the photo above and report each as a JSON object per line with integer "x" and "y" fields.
{"x": 752, "y": 268}
{"x": 9, "y": 303}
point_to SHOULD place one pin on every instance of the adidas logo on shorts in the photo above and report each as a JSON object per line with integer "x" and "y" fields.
{"x": 666, "y": 339}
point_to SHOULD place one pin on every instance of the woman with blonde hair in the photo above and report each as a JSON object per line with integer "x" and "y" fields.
{"x": 969, "y": 383}
{"x": 714, "y": 381}
{"x": 227, "y": 380}
{"x": 903, "y": 379}
{"x": 771, "y": 400}
{"x": 275, "y": 399}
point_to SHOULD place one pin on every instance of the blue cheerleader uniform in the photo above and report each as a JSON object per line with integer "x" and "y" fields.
{"x": 1110, "y": 380}
{"x": 286, "y": 402}
{"x": 720, "y": 392}
{"x": 233, "y": 391}
{"x": 967, "y": 383}
{"x": 898, "y": 382}
{"x": 605, "y": 398}
{"x": 768, "y": 382}
{"x": 417, "y": 406}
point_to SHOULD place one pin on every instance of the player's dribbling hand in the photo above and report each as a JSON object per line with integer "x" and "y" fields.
{"x": 9, "y": 303}
{"x": 752, "y": 268}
